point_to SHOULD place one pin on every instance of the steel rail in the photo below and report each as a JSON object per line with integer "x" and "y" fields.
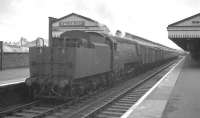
{"x": 94, "y": 112}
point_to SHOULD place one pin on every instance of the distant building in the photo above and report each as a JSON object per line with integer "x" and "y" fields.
{"x": 186, "y": 34}
{"x": 37, "y": 42}
{"x": 23, "y": 45}
{"x": 75, "y": 22}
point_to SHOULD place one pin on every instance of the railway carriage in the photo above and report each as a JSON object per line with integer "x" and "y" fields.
{"x": 126, "y": 58}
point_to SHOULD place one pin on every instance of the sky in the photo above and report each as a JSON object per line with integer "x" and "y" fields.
{"x": 145, "y": 18}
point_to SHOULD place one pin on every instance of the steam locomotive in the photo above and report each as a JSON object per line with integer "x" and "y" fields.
{"x": 79, "y": 62}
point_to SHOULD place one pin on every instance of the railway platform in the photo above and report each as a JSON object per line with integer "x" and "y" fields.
{"x": 176, "y": 95}
{"x": 12, "y": 76}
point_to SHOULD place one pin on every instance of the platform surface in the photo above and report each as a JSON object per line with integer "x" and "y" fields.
{"x": 11, "y": 76}
{"x": 184, "y": 101}
{"x": 154, "y": 102}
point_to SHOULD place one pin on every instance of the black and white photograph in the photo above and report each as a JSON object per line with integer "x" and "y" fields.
{"x": 99, "y": 59}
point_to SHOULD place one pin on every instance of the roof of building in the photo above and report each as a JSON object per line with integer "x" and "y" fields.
{"x": 57, "y": 19}
{"x": 171, "y": 25}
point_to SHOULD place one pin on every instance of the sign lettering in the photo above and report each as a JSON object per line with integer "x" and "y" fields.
{"x": 196, "y": 22}
{"x": 72, "y": 23}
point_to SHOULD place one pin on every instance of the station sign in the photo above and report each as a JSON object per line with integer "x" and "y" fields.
{"x": 74, "y": 22}
{"x": 196, "y": 22}
{"x": 71, "y": 23}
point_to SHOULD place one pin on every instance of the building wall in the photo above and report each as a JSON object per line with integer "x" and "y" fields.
{"x": 15, "y": 60}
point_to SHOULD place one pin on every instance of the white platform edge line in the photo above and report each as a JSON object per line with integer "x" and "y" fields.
{"x": 125, "y": 115}
{"x": 10, "y": 82}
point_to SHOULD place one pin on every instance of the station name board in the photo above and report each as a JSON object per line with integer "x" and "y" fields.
{"x": 71, "y": 23}
{"x": 196, "y": 22}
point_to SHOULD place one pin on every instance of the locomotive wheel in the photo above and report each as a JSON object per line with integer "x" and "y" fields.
{"x": 110, "y": 78}
{"x": 94, "y": 84}
{"x": 103, "y": 81}
{"x": 66, "y": 91}
{"x": 76, "y": 91}
{"x": 30, "y": 92}
{"x": 90, "y": 87}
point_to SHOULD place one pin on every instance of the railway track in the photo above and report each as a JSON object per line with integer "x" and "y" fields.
{"x": 116, "y": 106}
{"x": 34, "y": 109}
{"x": 110, "y": 103}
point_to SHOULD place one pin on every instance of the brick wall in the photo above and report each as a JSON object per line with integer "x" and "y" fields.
{"x": 15, "y": 60}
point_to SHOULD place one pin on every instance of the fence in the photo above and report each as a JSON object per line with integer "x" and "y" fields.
{"x": 10, "y": 60}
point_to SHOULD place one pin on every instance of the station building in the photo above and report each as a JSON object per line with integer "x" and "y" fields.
{"x": 74, "y": 22}
{"x": 186, "y": 34}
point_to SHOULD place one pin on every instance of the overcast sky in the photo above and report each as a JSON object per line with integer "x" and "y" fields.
{"x": 145, "y": 18}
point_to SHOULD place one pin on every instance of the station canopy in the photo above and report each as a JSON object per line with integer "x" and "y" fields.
{"x": 185, "y": 33}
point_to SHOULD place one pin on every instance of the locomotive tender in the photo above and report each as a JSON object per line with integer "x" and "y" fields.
{"x": 78, "y": 62}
